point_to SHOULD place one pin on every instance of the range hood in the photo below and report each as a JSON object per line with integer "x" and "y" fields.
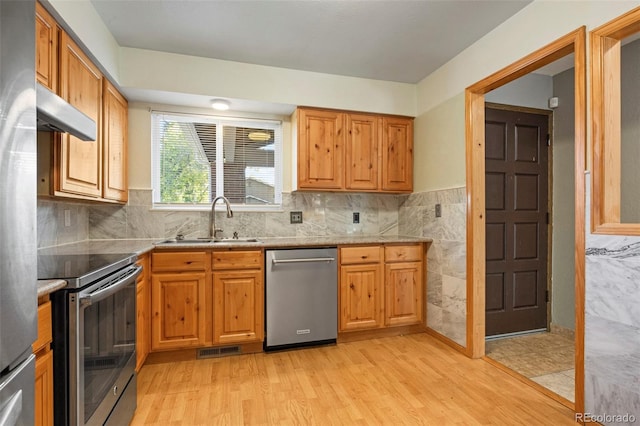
{"x": 57, "y": 115}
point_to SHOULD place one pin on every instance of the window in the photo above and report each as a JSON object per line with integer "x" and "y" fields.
{"x": 197, "y": 158}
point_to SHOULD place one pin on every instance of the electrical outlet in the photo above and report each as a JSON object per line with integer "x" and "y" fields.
{"x": 295, "y": 217}
{"x": 356, "y": 217}
{"x": 438, "y": 210}
{"x": 67, "y": 218}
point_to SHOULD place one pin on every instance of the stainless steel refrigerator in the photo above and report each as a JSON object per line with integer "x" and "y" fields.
{"x": 18, "y": 246}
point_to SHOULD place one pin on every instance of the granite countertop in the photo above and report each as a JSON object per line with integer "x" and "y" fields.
{"x": 296, "y": 242}
{"x": 134, "y": 246}
{"x": 46, "y": 287}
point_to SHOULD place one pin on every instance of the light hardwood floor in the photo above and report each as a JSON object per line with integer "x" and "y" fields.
{"x": 412, "y": 379}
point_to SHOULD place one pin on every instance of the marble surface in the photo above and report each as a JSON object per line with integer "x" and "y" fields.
{"x": 612, "y": 324}
{"x": 46, "y": 287}
{"x": 446, "y": 258}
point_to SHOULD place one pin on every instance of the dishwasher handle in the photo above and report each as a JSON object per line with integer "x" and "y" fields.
{"x": 303, "y": 260}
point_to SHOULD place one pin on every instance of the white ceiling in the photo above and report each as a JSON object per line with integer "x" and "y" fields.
{"x": 393, "y": 40}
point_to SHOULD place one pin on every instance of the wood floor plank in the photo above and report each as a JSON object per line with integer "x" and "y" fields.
{"x": 413, "y": 379}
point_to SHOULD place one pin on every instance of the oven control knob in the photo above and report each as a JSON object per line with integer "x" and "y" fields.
{"x": 115, "y": 390}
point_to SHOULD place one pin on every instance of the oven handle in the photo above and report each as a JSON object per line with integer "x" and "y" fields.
{"x": 105, "y": 292}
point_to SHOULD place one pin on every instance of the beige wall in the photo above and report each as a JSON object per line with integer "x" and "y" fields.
{"x": 439, "y": 147}
{"x": 140, "y": 140}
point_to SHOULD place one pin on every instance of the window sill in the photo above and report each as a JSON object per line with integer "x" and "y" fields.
{"x": 219, "y": 207}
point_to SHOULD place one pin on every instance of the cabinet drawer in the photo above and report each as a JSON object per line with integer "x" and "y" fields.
{"x": 44, "y": 327}
{"x": 403, "y": 253}
{"x": 245, "y": 259}
{"x": 366, "y": 254}
{"x": 177, "y": 261}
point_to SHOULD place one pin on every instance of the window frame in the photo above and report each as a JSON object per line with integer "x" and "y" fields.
{"x": 272, "y": 124}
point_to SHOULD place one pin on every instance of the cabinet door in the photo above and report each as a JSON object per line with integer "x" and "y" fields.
{"x": 43, "y": 404}
{"x": 320, "y": 149}
{"x": 404, "y": 293}
{"x": 397, "y": 154}
{"x": 46, "y": 49}
{"x": 143, "y": 324}
{"x": 361, "y": 152}
{"x": 177, "y": 302}
{"x": 238, "y": 308}
{"x": 360, "y": 300}
{"x": 79, "y": 163}
{"x": 115, "y": 109}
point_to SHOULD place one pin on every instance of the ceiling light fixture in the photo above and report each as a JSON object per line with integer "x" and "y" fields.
{"x": 259, "y": 136}
{"x": 220, "y": 104}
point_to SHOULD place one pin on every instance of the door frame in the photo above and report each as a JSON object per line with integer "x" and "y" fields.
{"x": 549, "y": 205}
{"x": 574, "y": 42}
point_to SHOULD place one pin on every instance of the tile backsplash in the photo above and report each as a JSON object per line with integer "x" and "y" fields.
{"x": 323, "y": 214}
{"x": 446, "y": 257}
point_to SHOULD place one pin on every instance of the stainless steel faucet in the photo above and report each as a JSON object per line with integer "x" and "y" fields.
{"x": 212, "y": 218}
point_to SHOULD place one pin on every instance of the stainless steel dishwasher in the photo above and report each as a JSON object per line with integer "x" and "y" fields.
{"x": 301, "y": 297}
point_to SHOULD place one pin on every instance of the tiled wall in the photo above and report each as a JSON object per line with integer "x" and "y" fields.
{"x": 323, "y": 214}
{"x": 54, "y": 230}
{"x": 446, "y": 257}
{"x": 612, "y": 324}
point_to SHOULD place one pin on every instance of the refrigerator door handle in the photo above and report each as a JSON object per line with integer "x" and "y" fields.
{"x": 12, "y": 410}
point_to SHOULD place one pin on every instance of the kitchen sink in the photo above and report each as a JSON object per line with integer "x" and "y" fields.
{"x": 235, "y": 240}
{"x": 210, "y": 241}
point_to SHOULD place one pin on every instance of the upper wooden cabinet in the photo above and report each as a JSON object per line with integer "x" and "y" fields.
{"x": 361, "y": 152}
{"x": 397, "y": 154}
{"x": 348, "y": 151}
{"x": 79, "y": 163}
{"x": 46, "y": 49}
{"x": 93, "y": 170}
{"x": 115, "y": 109}
{"x": 320, "y": 149}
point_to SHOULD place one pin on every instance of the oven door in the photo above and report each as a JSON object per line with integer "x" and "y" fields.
{"x": 102, "y": 341}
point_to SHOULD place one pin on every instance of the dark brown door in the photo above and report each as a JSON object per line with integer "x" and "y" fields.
{"x": 516, "y": 161}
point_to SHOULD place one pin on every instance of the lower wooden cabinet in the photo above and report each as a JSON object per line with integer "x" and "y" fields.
{"x": 238, "y": 294}
{"x": 360, "y": 297}
{"x": 43, "y": 406}
{"x": 143, "y": 313}
{"x": 204, "y": 298}
{"x": 404, "y": 293}
{"x": 381, "y": 286}
{"x": 238, "y": 309}
{"x": 177, "y": 301}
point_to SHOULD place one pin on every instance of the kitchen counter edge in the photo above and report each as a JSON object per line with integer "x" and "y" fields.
{"x": 284, "y": 242}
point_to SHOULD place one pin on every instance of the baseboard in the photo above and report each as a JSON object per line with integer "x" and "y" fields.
{"x": 447, "y": 341}
{"x": 562, "y": 331}
{"x": 354, "y": 336}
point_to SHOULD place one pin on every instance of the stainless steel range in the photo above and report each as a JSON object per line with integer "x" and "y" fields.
{"x": 93, "y": 337}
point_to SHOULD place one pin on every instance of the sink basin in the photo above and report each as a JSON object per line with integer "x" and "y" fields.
{"x": 210, "y": 241}
{"x": 187, "y": 241}
{"x": 235, "y": 240}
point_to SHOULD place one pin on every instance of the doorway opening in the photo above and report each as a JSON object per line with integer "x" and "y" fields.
{"x": 478, "y": 215}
